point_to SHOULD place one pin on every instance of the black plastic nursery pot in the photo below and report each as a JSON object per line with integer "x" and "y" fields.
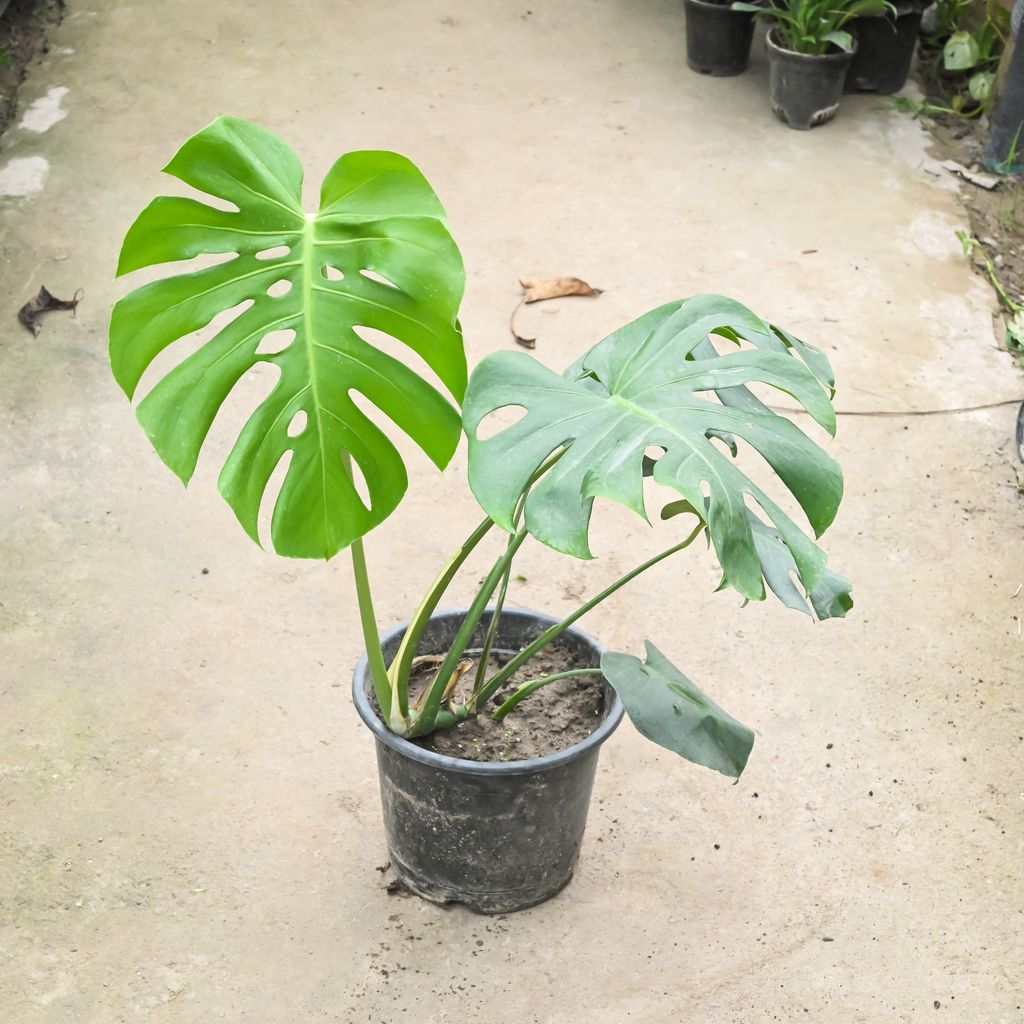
{"x": 494, "y": 836}
{"x": 717, "y": 38}
{"x": 885, "y": 50}
{"x": 805, "y": 89}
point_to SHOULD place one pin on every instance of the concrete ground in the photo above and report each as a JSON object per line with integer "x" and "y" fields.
{"x": 190, "y": 822}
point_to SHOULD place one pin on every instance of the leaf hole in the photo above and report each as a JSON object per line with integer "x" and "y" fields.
{"x": 372, "y": 275}
{"x": 264, "y": 522}
{"x": 298, "y": 423}
{"x": 217, "y": 202}
{"x": 279, "y": 288}
{"x": 498, "y": 420}
{"x": 404, "y": 354}
{"x": 273, "y": 253}
{"x": 721, "y": 444}
{"x": 188, "y": 344}
{"x": 275, "y": 341}
{"x": 359, "y": 482}
{"x": 331, "y": 273}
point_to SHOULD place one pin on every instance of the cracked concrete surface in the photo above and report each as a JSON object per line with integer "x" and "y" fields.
{"x": 190, "y": 825}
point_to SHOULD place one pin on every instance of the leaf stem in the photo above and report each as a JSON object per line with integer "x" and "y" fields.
{"x": 425, "y": 721}
{"x": 492, "y": 626}
{"x": 525, "y": 689}
{"x": 374, "y": 655}
{"x": 495, "y": 683}
{"x": 398, "y": 673}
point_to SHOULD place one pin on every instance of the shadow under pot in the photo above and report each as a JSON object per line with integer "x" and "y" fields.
{"x": 805, "y": 88}
{"x": 885, "y": 50}
{"x": 717, "y": 38}
{"x": 495, "y": 836}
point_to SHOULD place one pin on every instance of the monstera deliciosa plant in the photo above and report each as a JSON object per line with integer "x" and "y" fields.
{"x": 307, "y": 291}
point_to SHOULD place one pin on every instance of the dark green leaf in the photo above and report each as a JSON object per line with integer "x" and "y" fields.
{"x": 646, "y": 385}
{"x": 829, "y": 597}
{"x": 669, "y": 710}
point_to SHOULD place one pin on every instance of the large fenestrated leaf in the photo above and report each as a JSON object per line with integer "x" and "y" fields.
{"x": 670, "y": 710}
{"x": 649, "y": 385}
{"x": 381, "y": 226}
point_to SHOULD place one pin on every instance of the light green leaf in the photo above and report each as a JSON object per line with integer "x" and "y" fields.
{"x": 382, "y": 228}
{"x": 670, "y": 711}
{"x": 646, "y": 386}
{"x": 841, "y": 39}
{"x": 960, "y": 52}
{"x": 1015, "y": 331}
{"x": 980, "y": 85}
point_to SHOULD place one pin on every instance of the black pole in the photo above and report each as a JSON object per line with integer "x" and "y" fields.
{"x": 1006, "y": 132}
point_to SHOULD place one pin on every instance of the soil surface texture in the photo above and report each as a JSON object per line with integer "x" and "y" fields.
{"x": 552, "y": 718}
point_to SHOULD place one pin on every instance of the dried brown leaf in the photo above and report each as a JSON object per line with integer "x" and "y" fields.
{"x": 539, "y": 288}
{"x": 44, "y": 302}
{"x": 519, "y": 339}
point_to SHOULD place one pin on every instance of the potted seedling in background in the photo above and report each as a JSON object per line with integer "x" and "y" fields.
{"x": 809, "y": 53}
{"x": 473, "y": 813}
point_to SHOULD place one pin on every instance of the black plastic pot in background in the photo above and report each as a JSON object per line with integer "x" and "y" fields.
{"x": 495, "y": 836}
{"x": 885, "y": 50}
{"x": 717, "y": 38}
{"x": 805, "y": 89}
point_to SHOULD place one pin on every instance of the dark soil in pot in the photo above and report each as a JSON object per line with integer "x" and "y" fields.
{"x": 885, "y": 50}
{"x": 805, "y": 89}
{"x": 549, "y": 720}
{"x": 717, "y": 38}
{"x": 496, "y": 836}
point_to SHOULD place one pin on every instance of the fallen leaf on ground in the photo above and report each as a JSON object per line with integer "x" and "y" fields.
{"x": 44, "y": 302}
{"x": 530, "y": 343}
{"x": 540, "y": 288}
{"x": 537, "y": 289}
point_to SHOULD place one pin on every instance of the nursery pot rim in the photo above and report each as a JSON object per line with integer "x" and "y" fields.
{"x": 361, "y": 699}
{"x": 836, "y": 56}
{"x": 720, "y": 5}
{"x": 903, "y": 9}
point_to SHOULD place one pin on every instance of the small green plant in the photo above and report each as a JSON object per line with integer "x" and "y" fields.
{"x": 308, "y": 294}
{"x": 813, "y": 26}
{"x": 970, "y": 36}
{"x": 916, "y": 108}
{"x": 5, "y": 57}
{"x": 1014, "y": 336}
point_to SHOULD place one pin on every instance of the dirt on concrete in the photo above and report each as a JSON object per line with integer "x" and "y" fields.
{"x": 994, "y": 202}
{"x": 24, "y": 27}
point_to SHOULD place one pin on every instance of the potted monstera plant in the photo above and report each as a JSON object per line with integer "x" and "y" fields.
{"x": 484, "y": 800}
